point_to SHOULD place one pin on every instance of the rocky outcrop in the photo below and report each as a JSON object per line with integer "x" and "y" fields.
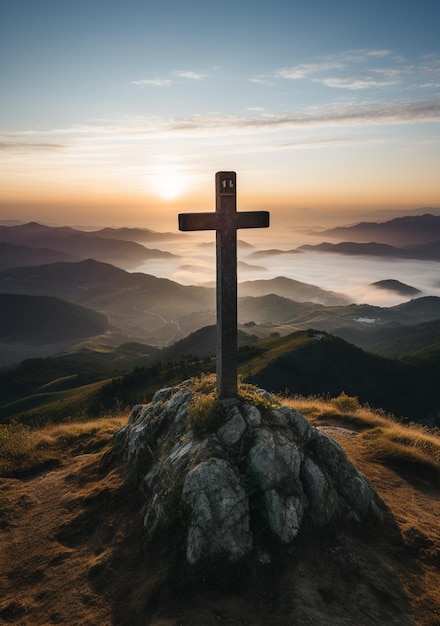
{"x": 258, "y": 463}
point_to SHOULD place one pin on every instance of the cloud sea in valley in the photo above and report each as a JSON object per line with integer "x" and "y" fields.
{"x": 350, "y": 275}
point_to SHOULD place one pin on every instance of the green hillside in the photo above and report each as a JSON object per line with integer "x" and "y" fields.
{"x": 306, "y": 363}
{"x": 53, "y": 406}
{"x": 69, "y": 370}
{"x": 316, "y": 363}
{"x": 397, "y": 342}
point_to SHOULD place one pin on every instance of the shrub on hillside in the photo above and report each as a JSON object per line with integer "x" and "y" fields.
{"x": 346, "y": 403}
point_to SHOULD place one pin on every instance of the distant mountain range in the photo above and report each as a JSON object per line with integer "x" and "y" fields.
{"x": 141, "y": 235}
{"x": 58, "y": 294}
{"x": 401, "y": 231}
{"x": 424, "y": 252}
{"x": 159, "y": 312}
{"x": 39, "y": 260}
{"x": 141, "y": 305}
{"x": 98, "y": 245}
{"x": 154, "y": 310}
{"x": 415, "y": 238}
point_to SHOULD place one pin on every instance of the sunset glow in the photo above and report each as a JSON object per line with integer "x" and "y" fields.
{"x": 169, "y": 185}
{"x": 326, "y": 114}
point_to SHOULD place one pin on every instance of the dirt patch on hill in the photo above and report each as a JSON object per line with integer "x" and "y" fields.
{"x": 73, "y": 551}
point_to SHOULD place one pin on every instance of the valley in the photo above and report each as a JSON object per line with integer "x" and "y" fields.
{"x": 76, "y": 326}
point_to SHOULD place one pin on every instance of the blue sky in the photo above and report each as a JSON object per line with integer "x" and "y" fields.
{"x": 123, "y": 111}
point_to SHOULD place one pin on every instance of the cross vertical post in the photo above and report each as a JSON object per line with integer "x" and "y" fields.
{"x": 226, "y": 253}
{"x": 225, "y": 221}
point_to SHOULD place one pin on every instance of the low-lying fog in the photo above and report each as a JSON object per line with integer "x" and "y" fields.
{"x": 349, "y": 275}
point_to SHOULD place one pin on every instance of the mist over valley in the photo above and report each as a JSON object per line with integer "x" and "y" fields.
{"x": 347, "y": 268}
{"x": 120, "y": 314}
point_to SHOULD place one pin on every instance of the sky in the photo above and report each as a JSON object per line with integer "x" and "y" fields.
{"x": 120, "y": 112}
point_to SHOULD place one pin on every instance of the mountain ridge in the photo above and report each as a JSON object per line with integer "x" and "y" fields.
{"x": 407, "y": 230}
{"x": 158, "y": 311}
{"x": 124, "y": 253}
{"x": 423, "y": 252}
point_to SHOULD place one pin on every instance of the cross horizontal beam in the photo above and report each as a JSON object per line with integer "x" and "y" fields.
{"x": 217, "y": 221}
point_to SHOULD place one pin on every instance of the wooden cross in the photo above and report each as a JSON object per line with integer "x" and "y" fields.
{"x": 225, "y": 221}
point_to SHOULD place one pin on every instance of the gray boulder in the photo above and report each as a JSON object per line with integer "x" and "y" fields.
{"x": 265, "y": 465}
{"x": 219, "y": 512}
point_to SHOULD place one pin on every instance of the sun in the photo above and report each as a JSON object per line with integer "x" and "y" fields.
{"x": 170, "y": 184}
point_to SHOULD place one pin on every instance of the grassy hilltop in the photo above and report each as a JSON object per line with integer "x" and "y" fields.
{"x": 71, "y": 513}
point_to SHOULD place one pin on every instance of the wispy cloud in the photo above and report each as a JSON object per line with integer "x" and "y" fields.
{"x": 166, "y": 82}
{"x": 128, "y": 131}
{"x": 379, "y": 112}
{"x": 364, "y": 69}
{"x": 27, "y": 146}
{"x": 337, "y": 61}
{"x": 304, "y": 70}
{"x": 377, "y": 53}
{"x": 355, "y": 83}
{"x": 334, "y": 115}
{"x": 152, "y": 82}
{"x": 328, "y": 143}
{"x": 261, "y": 80}
{"x": 189, "y": 75}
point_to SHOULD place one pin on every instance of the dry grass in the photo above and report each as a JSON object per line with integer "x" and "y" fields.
{"x": 205, "y": 414}
{"x": 23, "y": 448}
{"x": 63, "y": 434}
{"x": 73, "y": 549}
{"x": 343, "y": 409}
{"x": 385, "y": 438}
{"x": 406, "y": 444}
{"x": 206, "y": 383}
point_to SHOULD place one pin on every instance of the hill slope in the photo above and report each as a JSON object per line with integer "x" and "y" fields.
{"x": 73, "y": 544}
{"x": 21, "y": 256}
{"x": 293, "y": 289}
{"x": 44, "y": 319}
{"x": 314, "y": 363}
{"x": 397, "y": 342}
{"x": 145, "y": 307}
